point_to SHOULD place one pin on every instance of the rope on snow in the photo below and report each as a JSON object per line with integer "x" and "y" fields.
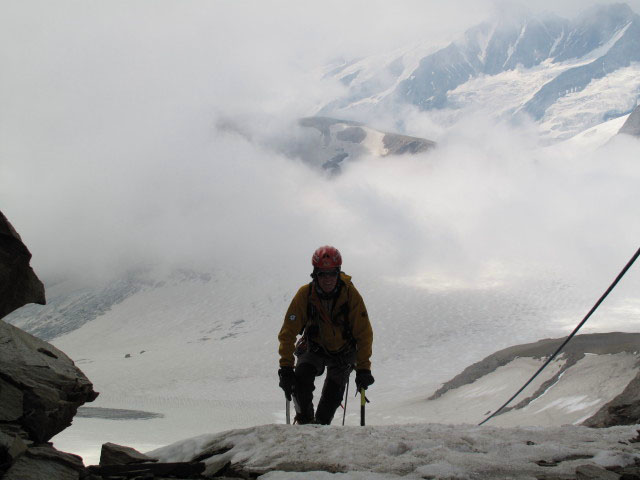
{"x": 593, "y": 309}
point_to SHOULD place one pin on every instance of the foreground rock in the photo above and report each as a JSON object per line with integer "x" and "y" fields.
{"x": 19, "y": 285}
{"x": 40, "y": 387}
{"x": 46, "y": 463}
{"x": 632, "y": 125}
{"x": 418, "y": 451}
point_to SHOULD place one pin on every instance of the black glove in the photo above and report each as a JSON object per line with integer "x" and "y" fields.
{"x": 287, "y": 380}
{"x": 364, "y": 379}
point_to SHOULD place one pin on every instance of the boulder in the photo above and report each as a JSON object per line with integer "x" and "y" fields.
{"x": 46, "y": 463}
{"x": 10, "y": 449}
{"x": 113, "y": 454}
{"x": 19, "y": 284}
{"x": 41, "y": 387}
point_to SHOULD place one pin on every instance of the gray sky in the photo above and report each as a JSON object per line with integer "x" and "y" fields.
{"x": 108, "y": 152}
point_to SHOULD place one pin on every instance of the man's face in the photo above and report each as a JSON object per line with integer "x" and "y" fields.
{"x": 327, "y": 279}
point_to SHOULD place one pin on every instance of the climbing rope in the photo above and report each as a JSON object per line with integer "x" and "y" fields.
{"x": 593, "y": 309}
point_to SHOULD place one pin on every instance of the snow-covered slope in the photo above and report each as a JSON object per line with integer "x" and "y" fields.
{"x": 591, "y": 372}
{"x": 201, "y": 350}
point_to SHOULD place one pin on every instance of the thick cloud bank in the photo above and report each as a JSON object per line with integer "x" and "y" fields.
{"x": 113, "y": 154}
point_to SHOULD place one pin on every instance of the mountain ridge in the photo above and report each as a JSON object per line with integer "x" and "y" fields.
{"x": 575, "y": 53}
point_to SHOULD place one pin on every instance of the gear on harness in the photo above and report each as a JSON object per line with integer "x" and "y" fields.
{"x": 311, "y": 331}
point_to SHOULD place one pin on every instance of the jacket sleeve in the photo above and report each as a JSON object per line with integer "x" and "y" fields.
{"x": 362, "y": 332}
{"x": 294, "y": 320}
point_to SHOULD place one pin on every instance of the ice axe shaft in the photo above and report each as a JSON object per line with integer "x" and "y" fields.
{"x": 288, "y": 412}
{"x": 346, "y": 397}
{"x": 363, "y": 402}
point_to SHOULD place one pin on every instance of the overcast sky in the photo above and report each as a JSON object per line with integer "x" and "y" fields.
{"x": 108, "y": 151}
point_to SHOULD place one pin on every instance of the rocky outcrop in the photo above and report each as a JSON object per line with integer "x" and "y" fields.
{"x": 113, "y": 454}
{"x": 19, "y": 285}
{"x": 40, "y": 387}
{"x": 622, "y": 410}
{"x": 40, "y": 391}
{"x": 632, "y": 125}
{"x": 596, "y": 343}
{"x": 43, "y": 462}
{"x": 348, "y": 140}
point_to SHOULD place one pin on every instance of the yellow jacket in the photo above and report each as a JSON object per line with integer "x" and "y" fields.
{"x": 331, "y": 330}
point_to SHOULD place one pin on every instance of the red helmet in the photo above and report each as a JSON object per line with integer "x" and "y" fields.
{"x": 326, "y": 257}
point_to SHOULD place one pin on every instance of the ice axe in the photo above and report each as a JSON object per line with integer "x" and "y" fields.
{"x": 288, "y": 411}
{"x": 363, "y": 402}
{"x": 346, "y": 397}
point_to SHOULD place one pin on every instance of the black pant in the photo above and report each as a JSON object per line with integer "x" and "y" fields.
{"x": 311, "y": 364}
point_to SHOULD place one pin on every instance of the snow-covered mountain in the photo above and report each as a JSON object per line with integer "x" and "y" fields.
{"x": 568, "y": 75}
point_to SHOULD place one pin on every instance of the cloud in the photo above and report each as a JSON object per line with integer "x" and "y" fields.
{"x": 112, "y": 151}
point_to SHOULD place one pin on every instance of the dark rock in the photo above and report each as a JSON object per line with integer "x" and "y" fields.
{"x": 113, "y": 454}
{"x": 210, "y": 452}
{"x": 52, "y": 386}
{"x": 11, "y": 399}
{"x": 179, "y": 469}
{"x": 26, "y": 468}
{"x": 593, "y": 472}
{"x": 323, "y": 124}
{"x": 401, "y": 144}
{"x": 11, "y": 448}
{"x": 632, "y": 125}
{"x": 40, "y": 387}
{"x": 217, "y": 468}
{"x": 622, "y": 410}
{"x": 19, "y": 285}
{"x": 557, "y": 461}
{"x": 45, "y": 463}
{"x": 47, "y": 352}
{"x": 352, "y": 134}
